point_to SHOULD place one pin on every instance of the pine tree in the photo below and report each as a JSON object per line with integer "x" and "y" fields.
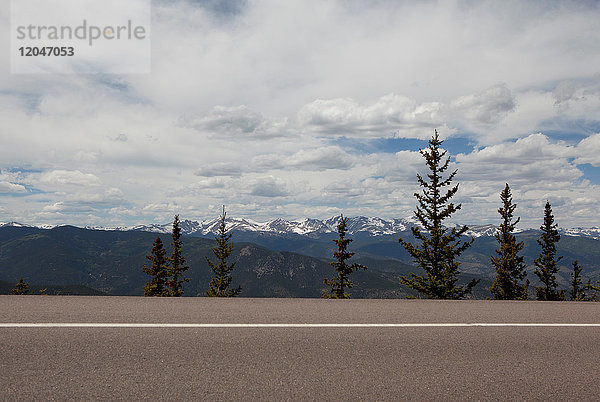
{"x": 21, "y": 288}
{"x": 342, "y": 281}
{"x": 546, "y": 263}
{"x": 577, "y": 290}
{"x": 594, "y": 288}
{"x": 176, "y": 263}
{"x": 221, "y": 279}
{"x": 510, "y": 268}
{"x": 439, "y": 246}
{"x": 157, "y": 272}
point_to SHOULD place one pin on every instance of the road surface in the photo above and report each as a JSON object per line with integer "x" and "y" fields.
{"x": 90, "y": 348}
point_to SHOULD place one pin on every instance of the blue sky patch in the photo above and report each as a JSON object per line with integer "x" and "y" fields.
{"x": 590, "y": 172}
{"x": 454, "y": 145}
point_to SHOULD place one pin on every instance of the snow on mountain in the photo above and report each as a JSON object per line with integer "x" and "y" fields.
{"x": 307, "y": 226}
{"x": 21, "y": 225}
{"x": 154, "y": 228}
{"x": 48, "y": 227}
{"x": 593, "y": 232}
{"x": 187, "y": 226}
{"x": 13, "y": 224}
{"x": 244, "y": 225}
{"x": 301, "y": 227}
{"x": 481, "y": 230}
{"x": 371, "y": 226}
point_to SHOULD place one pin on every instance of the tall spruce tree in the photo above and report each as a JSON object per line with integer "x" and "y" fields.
{"x": 546, "y": 263}
{"x": 221, "y": 279}
{"x": 510, "y": 268}
{"x": 342, "y": 282}
{"x": 158, "y": 271}
{"x": 439, "y": 246}
{"x": 176, "y": 263}
{"x": 577, "y": 289}
{"x": 21, "y": 288}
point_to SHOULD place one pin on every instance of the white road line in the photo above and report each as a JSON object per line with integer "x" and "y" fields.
{"x": 285, "y": 325}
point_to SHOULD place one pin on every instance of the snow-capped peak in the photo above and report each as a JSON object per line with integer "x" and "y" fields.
{"x": 13, "y": 224}
{"x": 593, "y": 232}
{"x": 371, "y": 226}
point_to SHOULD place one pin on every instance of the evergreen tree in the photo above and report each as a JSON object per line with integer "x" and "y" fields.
{"x": 510, "y": 268}
{"x": 221, "y": 279}
{"x": 577, "y": 290}
{"x": 439, "y": 246}
{"x": 158, "y": 271}
{"x": 546, "y": 263}
{"x": 21, "y": 288}
{"x": 176, "y": 263}
{"x": 342, "y": 281}
{"x": 594, "y": 288}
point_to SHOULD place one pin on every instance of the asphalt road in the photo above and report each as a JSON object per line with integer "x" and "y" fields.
{"x": 339, "y": 363}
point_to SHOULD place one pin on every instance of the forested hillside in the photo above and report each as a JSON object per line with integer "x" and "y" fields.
{"x": 111, "y": 262}
{"x": 266, "y": 266}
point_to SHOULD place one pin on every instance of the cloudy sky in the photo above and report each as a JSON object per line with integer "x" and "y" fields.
{"x": 313, "y": 108}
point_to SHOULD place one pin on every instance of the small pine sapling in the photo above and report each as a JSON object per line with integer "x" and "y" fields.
{"x": 157, "y": 271}
{"x": 21, "y": 288}
{"x": 341, "y": 282}
{"x": 176, "y": 266}
{"x": 509, "y": 265}
{"x": 220, "y": 282}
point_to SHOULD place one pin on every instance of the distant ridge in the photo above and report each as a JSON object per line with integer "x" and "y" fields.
{"x": 371, "y": 226}
{"x": 360, "y": 224}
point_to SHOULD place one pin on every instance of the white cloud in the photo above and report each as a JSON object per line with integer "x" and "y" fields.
{"x": 235, "y": 121}
{"x": 56, "y": 207}
{"x": 531, "y": 148}
{"x": 162, "y": 207}
{"x": 391, "y": 115}
{"x": 304, "y": 50}
{"x": 252, "y": 112}
{"x": 70, "y": 177}
{"x": 7, "y": 187}
{"x": 109, "y": 196}
{"x": 316, "y": 159}
{"x": 85, "y": 202}
{"x": 402, "y": 166}
{"x": 488, "y": 107}
{"x": 532, "y": 163}
{"x": 588, "y": 151}
{"x": 564, "y": 92}
{"x": 220, "y": 169}
{"x": 342, "y": 190}
{"x": 321, "y": 159}
{"x": 12, "y": 182}
{"x": 269, "y": 187}
{"x": 211, "y": 183}
{"x": 578, "y": 100}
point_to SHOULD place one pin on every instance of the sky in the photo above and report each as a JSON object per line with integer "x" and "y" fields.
{"x": 306, "y": 108}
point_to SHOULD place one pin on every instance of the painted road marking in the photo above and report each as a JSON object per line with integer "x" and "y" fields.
{"x": 285, "y": 325}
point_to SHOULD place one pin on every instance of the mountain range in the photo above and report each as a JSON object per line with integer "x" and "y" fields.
{"x": 369, "y": 226}
{"x": 276, "y": 258}
{"x": 111, "y": 262}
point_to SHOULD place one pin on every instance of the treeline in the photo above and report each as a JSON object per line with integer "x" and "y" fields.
{"x": 440, "y": 246}
{"x": 165, "y": 274}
